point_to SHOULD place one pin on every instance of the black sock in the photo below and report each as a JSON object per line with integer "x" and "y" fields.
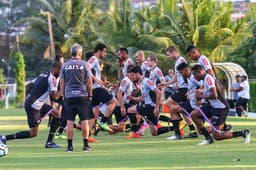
{"x": 163, "y": 130}
{"x": 237, "y": 134}
{"x": 70, "y": 143}
{"x": 74, "y": 125}
{"x": 104, "y": 119}
{"x": 85, "y": 142}
{"x": 176, "y": 124}
{"x": 19, "y": 135}
{"x": 205, "y": 132}
{"x": 133, "y": 120}
{"x": 127, "y": 126}
{"x": 164, "y": 118}
{"x": 62, "y": 126}
{"x": 54, "y": 126}
{"x": 192, "y": 127}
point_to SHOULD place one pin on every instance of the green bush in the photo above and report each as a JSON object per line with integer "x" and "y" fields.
{"x": 252, "y": 102}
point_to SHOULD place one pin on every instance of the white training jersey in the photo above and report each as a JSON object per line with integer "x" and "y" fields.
{"x": 144, "y": 67}
{"x": 193, "y": 85}
{"x": 126, "y": 87}
{"x": 244, "y": 93}
{"x": 204, "y": 62}
{"x": 126, "y": 64}
{"x": 156, "y": 74}
{"x": 95, "y": 65}
{"x": 209, "y": 83}
{"x": 180, "y": 80}
{"x": 146, "y": 86}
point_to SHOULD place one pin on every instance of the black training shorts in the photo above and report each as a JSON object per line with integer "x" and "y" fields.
{"x": 147, "y": 111}
{"x": 100, "y": 95}
{"x": 180, "y": 95}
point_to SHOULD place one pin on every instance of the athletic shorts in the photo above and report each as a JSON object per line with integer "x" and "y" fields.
{"x": 77, "y": 105}
{"x": 147, "y": 111}
{"x": 219, "y": 116}
{"x": 180, "y": 95}
{"x": 186, "y": 106}
{"x": 34, "y": 116}
{"x": 242, "y": 102}
{"x": 118, "y": 114}
{"x": 100, "y": 95}
{"x": 206, "y": 108}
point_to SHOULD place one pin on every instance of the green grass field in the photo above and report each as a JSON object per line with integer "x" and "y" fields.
{"x": 115, "y": 152}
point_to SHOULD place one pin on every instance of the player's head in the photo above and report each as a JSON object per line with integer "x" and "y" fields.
{"x": 101, "y": 50}
{"x": 192, "y": 52}
{"x": 152, "y": 60}
{"x": 171, "y": 72}
{"x": 137, "y": 72}
{"x": 243, "y": 78}
{"x": 172, "y": 52}
{"x": 76, "y": 51}
{"x": 59, "y": 58}
{"x": 124, "y": 53}
{"x": 238, "y": 78}
{"x": 184, "y": 70}
{"x": 130, "y": 74}
{"x": 55, "y": 69}
{"x": 140, "y": 57}
{"x": 198, "y": 72}
{"x": 88, "y": 55}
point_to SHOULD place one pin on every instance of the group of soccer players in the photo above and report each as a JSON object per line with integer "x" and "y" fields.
{"x": 79, "y": 88}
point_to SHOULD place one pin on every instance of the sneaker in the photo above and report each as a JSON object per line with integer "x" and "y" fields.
{"x": 174, "y": 137}
{"x": 51, "y": 145}
{"x": 192, "y": 135}
{"x": 69, "y": 149}
{"x": 247, "y": 136}
{"x": 105, "y": 127}
{"x": 92, "y": 140}
{"x": 60, "y": 136}
{"x": 87, "y": 149}
{"x": 142, "y": 128}
{"x": 206, "y": 142}
{"x": 3, "y": 139}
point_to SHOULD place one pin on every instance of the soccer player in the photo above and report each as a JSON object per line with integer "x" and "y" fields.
{"x": 190, "y": 105}
{"x": 243, "y": 96}
{"x": 142, "y": 62}
{"x": 76, "y": 85}
{"x": 181, "y": 93}
{"x": 218, "y": 110}
{"x": 149, "y": 108}
{"x": 127, "y": 61}
{"x": 194, "y": 54}
{"x": 36, "y": 109}
{"x": 100, "y": 94}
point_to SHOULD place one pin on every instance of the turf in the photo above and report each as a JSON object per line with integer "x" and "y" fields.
{"x": 115, "y": 152}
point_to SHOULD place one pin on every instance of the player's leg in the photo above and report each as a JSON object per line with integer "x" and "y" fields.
{"x": 131, "y": 112}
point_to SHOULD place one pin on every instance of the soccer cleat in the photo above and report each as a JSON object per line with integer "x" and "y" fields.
{"x": 192, "y": 135}
{"x": 142, "y": 128}
{"x": 69, "y": 149}
{"x": 3, "y": 139}
{"x": 227, "y": 127}
{"x": 174, "y": 137}
{"x": 60, "y": 136}
{"x": 51, "y": 145}
{"x": 92, "y": 140}
{"x": 206, "y": 142}
{"x": 105, "y": 127}
{"x": 133, "y": 135}
{"x": 87, "y": 149}
{"x": 158, "y": 125}
{"x": 247, "y": 136}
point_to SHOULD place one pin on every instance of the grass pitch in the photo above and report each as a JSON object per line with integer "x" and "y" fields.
{"x": 115, "y": 152}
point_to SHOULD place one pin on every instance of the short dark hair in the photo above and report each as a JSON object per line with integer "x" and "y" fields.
{"x": 88, "y": 55}
{"x": 171, "y": 49}
{"x": 100, "y": 47}
{"x": 182, "y": 66}
{"x": 58, "y": 56}
{"x": 238, "y": 76}
{"x": 124, "y": 49}
{"x": 136, "y": 69}
{"x": 197, "y": 68}
{"x": 190, "y": 48}
{"x": 244, "y": 77}
{"x": 129, "y": 68}
{"x": 56, "y": 64}
{"x": 153, "y": 58}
